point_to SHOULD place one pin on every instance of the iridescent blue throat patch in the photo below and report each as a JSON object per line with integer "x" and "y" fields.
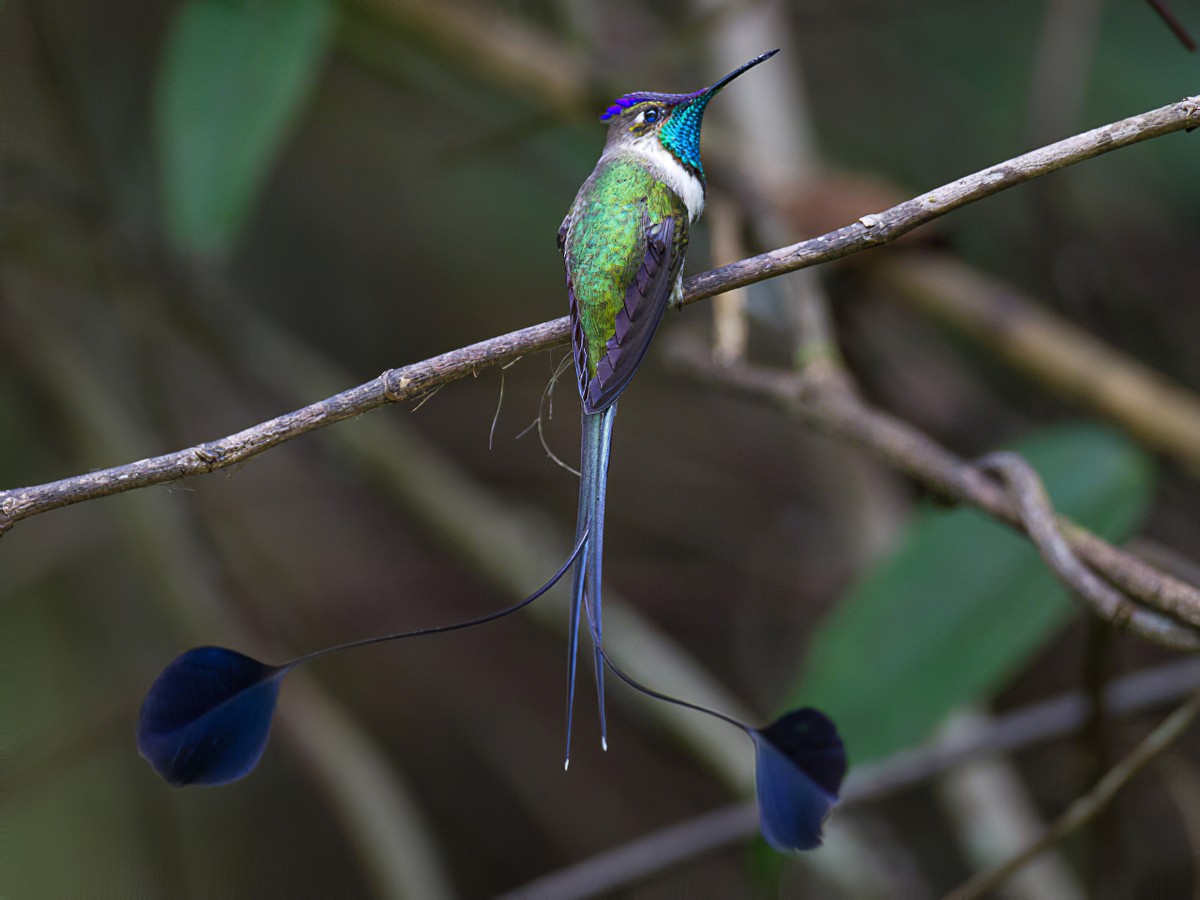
{"x": 681, "y": 132}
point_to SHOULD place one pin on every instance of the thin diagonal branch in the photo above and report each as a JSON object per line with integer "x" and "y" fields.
{"x": 412, "y": 381}
{"x": 1083, "y": 810}
{"x": 1172, "y": 22}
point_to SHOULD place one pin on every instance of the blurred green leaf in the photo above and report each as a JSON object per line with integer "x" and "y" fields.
{"x": 962, "y": 603}
{"x": 233, "y": 76}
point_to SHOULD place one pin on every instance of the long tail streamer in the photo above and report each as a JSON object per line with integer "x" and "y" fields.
{"x": 595, "y": 446}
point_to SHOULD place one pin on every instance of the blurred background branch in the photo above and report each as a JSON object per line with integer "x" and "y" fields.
{"x": 1086, "y": 807}
{"x": 1016, "y": 731}
{"x": 840, "y": 413}
{"x": 1057, "y": 354}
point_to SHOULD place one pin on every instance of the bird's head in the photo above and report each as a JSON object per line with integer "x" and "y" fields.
{"x": 672, "y": 120}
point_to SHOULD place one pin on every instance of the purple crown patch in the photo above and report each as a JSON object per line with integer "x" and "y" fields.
{"x": 623, "y": 103}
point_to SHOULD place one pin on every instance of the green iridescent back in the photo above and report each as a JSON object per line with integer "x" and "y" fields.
{"x": 606, "y": 244}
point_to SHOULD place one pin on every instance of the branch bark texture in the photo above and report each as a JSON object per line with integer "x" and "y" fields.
{"x": 415, "y": 380}
{"x": 826, "y": 405}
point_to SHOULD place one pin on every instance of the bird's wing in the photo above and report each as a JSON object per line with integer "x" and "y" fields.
{"x": 638, "y": 317}
{"x": 618, "y": 325}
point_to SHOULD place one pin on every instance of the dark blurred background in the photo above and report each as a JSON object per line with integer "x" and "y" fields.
{"x": 217, "y": 211}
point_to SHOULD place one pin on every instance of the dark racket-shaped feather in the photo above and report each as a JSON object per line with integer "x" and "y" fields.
{"x": 207, "y": 717}
{"x": 799, "y": 769}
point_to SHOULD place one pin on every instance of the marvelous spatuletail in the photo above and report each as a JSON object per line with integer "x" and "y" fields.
{"x": 207, "y": 717}
{"x": 623, "y": 244}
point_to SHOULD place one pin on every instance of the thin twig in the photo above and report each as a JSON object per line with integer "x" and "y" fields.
{"x": 405, "y": 383}
{"x": 547, "y": 402}
{"x": 1086, "y": 807}
{"x": 499, "y": 404}
{"x": 1177, "y": 27}
{"x": 992, "y": 815}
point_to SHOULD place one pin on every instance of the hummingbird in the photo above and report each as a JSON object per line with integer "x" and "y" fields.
{"x": 623, "y": 244}
{"x": 206, "y": 718}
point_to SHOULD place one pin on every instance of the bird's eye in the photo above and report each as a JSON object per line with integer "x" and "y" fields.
{"x": 651, "y": 116}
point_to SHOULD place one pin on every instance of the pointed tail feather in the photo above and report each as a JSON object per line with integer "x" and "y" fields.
{"x": 596, "y": 443}
{"x": 595, "y": 559}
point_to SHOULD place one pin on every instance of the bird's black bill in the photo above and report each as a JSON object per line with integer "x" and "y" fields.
{"x": 740, "y": 70}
